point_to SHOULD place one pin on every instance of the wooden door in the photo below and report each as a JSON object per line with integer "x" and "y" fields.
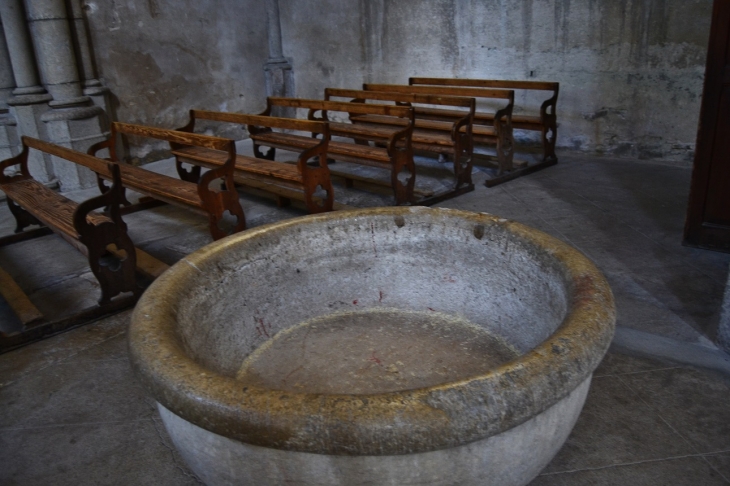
{"x": 708, "y": 214}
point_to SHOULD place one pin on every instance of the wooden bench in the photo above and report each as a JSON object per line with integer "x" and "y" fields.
{"x": 87, "y": 230}
{"x": 545, "y": 122}
{"x": 211, "y": 194}
{"x": 302, "y": 177}
{"x": 498, "y": 133}
{"x": 450, "y": 138}
{"x": 396, "y": 156}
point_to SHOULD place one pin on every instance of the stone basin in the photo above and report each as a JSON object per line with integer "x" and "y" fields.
{"x": 380, "y": 346}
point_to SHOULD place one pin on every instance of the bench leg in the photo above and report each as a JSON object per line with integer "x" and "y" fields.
{"x": 505, "y": 149}
{"x": 549, "y": 137}
{"x": 104, "y": 188}
{"x": 463, "y": 162}
{"x": 403, "y": 176}
{"x": 219, "y": 196}
{"x": 315, "y": 180}
{"x": 114, "y": 271}
{"x": 23, "y": 218}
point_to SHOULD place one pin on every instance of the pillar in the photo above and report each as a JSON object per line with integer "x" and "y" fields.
{"x": 278, "y": 69}
{"x": 8, "y": 128}
{"x": 92, "y": 87}
{"x": 29, "y": 99}
{"x": 73, "y": 120}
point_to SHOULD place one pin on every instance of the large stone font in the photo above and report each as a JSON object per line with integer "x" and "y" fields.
{"x": 377, "y": 346}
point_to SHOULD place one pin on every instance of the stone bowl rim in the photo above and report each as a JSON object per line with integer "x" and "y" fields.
{"x": 402, "y": 422}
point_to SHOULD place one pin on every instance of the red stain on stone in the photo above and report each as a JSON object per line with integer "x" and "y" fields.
{"x": 354, "y": 302}
{"x": 374, "y": 359}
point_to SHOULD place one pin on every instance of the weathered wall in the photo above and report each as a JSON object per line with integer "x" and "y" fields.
{"x": 630, "y": 71}
{"x": 162, "y": 57}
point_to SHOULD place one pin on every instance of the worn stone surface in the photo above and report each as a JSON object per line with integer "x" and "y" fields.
{"x": 561, "y": 301}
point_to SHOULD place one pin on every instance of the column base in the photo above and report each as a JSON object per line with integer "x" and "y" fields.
{"x": 28, "y": 118}
{"x": 74, "y": 128}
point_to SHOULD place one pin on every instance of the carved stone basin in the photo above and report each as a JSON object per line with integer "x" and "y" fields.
{"x": 379, "y": 346}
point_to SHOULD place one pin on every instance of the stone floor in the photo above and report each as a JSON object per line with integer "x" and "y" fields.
{"x": 658, "y": 412}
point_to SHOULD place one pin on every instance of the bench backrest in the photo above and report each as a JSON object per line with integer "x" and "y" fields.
{"x": 252, "y": 121}
{"x": 487, "y": 83}
{"x": 425, "y": 99}
{"x": 94, "y": 163}
{"x": 171, "y": 136}
{"x": 341, "y": 106}
{"x": 443, "y": 90}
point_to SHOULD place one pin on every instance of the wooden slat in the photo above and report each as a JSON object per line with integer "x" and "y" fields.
{"x": 347, "y": 107}
{"x": 49, "y": 207}
{"x": 441, "y": 90}
{"x": 261, "y": 120}
{"x": 95, "y": 164}
{"x": 161, "y": 187}
{"x": 366, "y": 132}
{"x": 426, "y": 99}
{"x": 525, "y": 122}
{"x": 18, "y": 300}
{"x": 252, "y": 165}
{"x": 288, "y": 141}
{"x": 487, "y": 83}
{"x": 175, "y": 136}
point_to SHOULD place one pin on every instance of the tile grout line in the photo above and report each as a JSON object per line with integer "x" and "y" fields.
{"x": 625, "y": 464}
{"x": 652, "y": 407}
{"x": 637, "y": 372}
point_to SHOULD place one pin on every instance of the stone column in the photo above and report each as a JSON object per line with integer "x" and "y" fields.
{"x": 91, "y": 84}
{"x": 723, "y": 331}
{"x": 278, "y": 69}
{"x": 8, "y": 128}
{"x": 73, "y": 121}
{"x": 29, "y": 100}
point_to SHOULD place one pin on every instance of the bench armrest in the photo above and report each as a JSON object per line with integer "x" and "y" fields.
{"x": 547, "y": 109}
{"x": 20, "y": 159}
{"x": 319, "y": 150}
{"x": 404, "y": 134}
{"x": 98, "y": 146}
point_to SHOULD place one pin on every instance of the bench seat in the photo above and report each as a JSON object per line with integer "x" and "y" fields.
{"x": 50, "y": 208}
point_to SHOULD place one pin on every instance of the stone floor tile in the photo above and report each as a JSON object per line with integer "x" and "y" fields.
{"x": 694, "y": 404}
{"x": 720, "y": 463}
{"x": 77, "y": 391}
{"x": 135, "y": 453}
{"x": 687, "y": 471}
{"x": 621, "y": 364}
{"x": 616, "y": 427}
{"x": 29, "y": 360}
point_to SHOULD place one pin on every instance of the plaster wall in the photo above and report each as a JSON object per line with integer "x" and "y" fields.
{"x": 160, "y": 58}
{"x": 630, "y": 71}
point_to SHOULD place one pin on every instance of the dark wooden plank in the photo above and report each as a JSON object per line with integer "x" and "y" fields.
{"x": 244, "y": 164}
{"x": 51, "y": 208}
{"x": 18, "y": 301}
{"x": 341, "y": 106}
{"x": 487, "y": 83}
{"x": 402, "y": 97}
{"x": 441, "y": 90}
{"x": 174, "y": 136}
